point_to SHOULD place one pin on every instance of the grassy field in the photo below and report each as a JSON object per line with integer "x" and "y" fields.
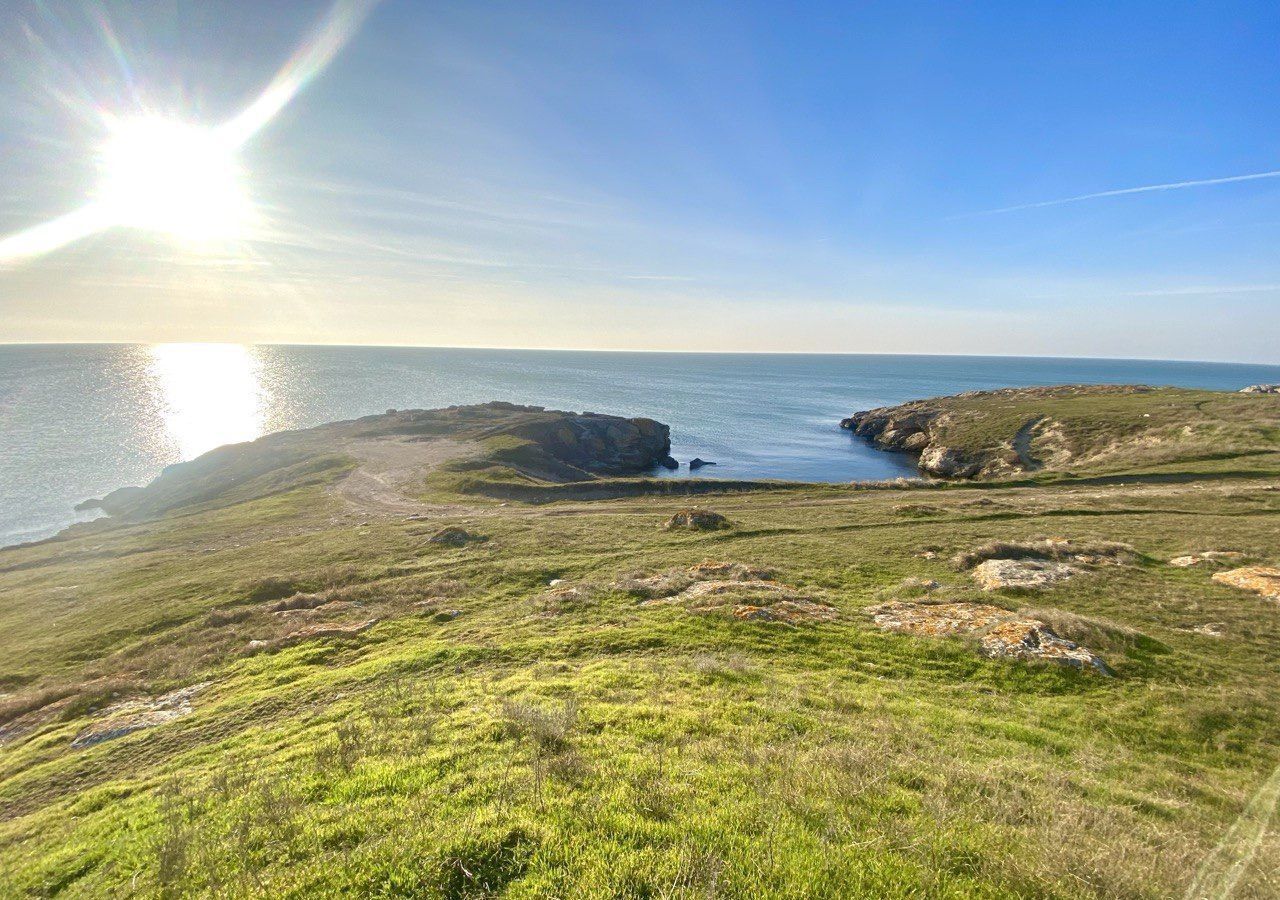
{"x": 491, "y": 734}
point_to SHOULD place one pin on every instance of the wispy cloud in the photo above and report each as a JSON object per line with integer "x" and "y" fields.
{"x": 1206, "y": 289}
{"x": 1121, "y": 192}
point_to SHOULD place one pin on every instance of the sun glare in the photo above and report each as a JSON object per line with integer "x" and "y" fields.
{"x": 211, "y": 394}
{"x": 174, "y": 178}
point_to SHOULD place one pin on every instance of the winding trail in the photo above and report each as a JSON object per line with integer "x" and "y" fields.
{"x": 1222, "y": 869}
{"x": 1022, "y": 444}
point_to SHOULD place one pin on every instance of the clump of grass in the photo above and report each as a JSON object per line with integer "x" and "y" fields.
{"x": 272, "y": 588}
{"x": 349, "y": 745}
{"x": 1045, "y": 548}
{"x": 220, "y": 618}
{"x": 298, "y": 601}
{"x": 547, "y": 728}
{"x": 720, "y": 664}
{"x": 20, "y": 704}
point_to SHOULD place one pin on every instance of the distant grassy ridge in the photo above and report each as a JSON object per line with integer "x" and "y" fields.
{"x": 1084, "y": 430}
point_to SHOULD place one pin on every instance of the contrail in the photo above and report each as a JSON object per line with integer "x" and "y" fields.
{"x": 1145, "y": 189}
{"x": 332, "y": 34}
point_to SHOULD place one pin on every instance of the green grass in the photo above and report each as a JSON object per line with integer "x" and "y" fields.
{"x": 598, "y": 748}
{"x": 1092, "y": 430}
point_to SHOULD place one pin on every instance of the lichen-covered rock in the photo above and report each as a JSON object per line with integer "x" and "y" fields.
{"x": 129, "y": 716}
{"x": 1030, "y": 574}
{"x": 748, "y": 593}
{"x": 1264, "y": 580}
{"x": 1209, "y": 557}
{"x": 1000, "y": 633}
{"x": 1261, "y": 389}
{"x": 792, "y": 612}
{"x": 697, "y": 520}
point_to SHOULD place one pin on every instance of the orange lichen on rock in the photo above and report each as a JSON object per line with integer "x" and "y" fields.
{"x": 1001, "y": 634}
{"x": 1264, "y": 580}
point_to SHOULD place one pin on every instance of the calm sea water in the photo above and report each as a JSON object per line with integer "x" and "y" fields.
{"x": 77, "y": 421}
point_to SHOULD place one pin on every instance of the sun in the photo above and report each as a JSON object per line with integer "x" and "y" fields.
{"x": 173, "y": 178}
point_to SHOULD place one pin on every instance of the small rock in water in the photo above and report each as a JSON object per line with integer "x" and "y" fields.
{"x": 697, "y": 463}
{"x": 669, "y": 462}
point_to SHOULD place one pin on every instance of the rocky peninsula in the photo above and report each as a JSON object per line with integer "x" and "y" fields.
{"x": 1076, "y": 429}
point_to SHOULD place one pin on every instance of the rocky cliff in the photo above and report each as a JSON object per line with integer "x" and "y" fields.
{"x": 1078, "y": 429}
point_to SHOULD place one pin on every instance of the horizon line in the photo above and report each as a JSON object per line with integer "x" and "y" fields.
{"x": 305, "y": 344}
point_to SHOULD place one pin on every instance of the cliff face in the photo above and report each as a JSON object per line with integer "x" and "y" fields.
{"x": 1080, "y": 429}
{"x": 914, "y": 428}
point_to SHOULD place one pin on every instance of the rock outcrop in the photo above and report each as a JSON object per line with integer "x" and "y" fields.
{"x": 696, "y": 519}
{"x": 129, "y": 716}
{"x": 1034, "y": 565}
{"x": 1207, "y": 558}
{"x": 1264, "y": 580}
{"x": 1000, "y": 633}
{"x": 747, "y": 593}
{"x": 1261, "y": 389}
{"x": 1027, "y": 574}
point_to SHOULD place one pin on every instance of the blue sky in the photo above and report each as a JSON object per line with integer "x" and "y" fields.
{"x": 677, "y": 176}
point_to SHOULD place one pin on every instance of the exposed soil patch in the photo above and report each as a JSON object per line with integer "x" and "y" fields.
{"x": 390, "y": 470}
{"x": 320, "y": 630}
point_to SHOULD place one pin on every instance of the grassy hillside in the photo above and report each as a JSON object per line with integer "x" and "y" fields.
{"x": 1084, "y": 430}
{"x": 554, "y": 705}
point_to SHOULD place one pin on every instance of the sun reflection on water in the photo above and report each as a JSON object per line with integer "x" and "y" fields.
{"x": 211, "y": 394}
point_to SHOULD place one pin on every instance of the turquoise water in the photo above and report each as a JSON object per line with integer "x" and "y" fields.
{"x": 77, "y": 421}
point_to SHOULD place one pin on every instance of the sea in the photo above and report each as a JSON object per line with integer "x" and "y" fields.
{"x": 77, "y": 421}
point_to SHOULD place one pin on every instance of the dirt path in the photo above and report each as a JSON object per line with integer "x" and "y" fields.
{"x": 390, "y": 472}
{"x": 1222, "y": 869}
{"x": 1022, "y": 444}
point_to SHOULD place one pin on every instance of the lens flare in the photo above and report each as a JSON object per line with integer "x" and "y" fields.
{"x": 173, "y": 178}
{"x": 179, "y": 179}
